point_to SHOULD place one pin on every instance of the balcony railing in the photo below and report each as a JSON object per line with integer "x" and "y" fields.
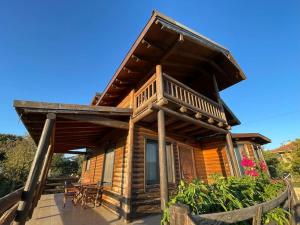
{"x": 178, "y": 93}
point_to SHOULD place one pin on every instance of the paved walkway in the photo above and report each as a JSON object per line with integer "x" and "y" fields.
{"x": 50, "y": 212}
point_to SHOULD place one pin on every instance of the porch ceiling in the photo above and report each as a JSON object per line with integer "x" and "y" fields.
{"x": 77, "y": 126}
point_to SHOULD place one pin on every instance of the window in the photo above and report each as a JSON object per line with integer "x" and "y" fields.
{"x": 87, "y": 165}
{"x": 108, "y": 166}
{"x": 238, "y": 149}
{"x": 152, "y": 162}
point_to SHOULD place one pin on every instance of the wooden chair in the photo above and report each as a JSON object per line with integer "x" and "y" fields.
{"x": 70, "y": 192}
{"x": 92, "y": 194}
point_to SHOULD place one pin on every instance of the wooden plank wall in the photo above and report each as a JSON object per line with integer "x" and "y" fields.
{"x": 146, "y": 200}
{"x": 211, "y": 159}
{"x": 112, "y": 196}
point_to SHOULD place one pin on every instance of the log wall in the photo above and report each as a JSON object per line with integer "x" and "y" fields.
{"x": 112, "y": 196}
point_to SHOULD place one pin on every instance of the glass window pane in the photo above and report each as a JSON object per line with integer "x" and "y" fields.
{"x": 108, "y": 166}
{"x": 170, "y": 163}
{"x": 152, "y": 162}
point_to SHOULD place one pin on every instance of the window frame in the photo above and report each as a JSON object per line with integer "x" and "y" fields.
{"x": 168, "y": 142}
{"x": 88, "y": 164}
{"x": 104, "y": 183}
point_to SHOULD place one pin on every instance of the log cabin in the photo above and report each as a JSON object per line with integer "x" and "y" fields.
{"x": 159, "y": 120}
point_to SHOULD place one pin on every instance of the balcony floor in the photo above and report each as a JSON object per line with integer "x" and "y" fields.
{"x": 50, "y": 212}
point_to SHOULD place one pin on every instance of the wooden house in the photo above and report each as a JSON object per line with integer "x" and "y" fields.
{"x": 159, "y": 120}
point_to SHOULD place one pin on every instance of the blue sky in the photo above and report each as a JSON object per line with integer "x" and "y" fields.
{"x": 65, "y": 51}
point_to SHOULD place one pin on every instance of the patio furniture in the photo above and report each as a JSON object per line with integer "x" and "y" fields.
{"x": 70, "y": 192}
{"x": 92, "y": 194}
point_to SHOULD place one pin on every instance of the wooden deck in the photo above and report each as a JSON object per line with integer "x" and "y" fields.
{"x": 50, "y": 212}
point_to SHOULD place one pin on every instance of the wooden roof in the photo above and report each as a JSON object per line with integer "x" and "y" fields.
{"x": 77, "y": 126}
{"x": 183, "y": 53}
{"x": 254, "y": 137}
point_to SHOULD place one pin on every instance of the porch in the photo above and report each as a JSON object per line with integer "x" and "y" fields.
{"x": 49, "y": 211}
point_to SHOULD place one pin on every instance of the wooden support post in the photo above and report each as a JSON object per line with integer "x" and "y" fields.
{"x": 130, "y": 146}
{"x": 159, "y": 83}
{"x": 42, "y": 179}
{"x": 233, "y": 160}
{"x": 34, "y": 174}
{"x": 164, "y": 195}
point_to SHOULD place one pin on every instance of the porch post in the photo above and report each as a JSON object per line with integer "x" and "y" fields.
{"x": 42, "y": 179}
{"x": 162, "y": 159}
{"x": 233, "y": 159}
{"x": 34, "y": 174}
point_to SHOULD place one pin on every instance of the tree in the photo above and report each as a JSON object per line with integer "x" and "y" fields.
{"x": 18, "y": 155}
{"x": 65, "y": 166}
{"x": 295, "y": 156}
{"x": 276, "y": 167}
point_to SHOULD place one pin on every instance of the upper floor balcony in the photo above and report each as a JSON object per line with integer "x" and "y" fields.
{"x": 180, "y": 98}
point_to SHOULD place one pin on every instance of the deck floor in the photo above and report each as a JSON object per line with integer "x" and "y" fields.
{"x": 50, "y": 212}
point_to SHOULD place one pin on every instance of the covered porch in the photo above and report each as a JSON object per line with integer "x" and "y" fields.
{"x": 49, "y": 211}
{"x": 62, "y": 128}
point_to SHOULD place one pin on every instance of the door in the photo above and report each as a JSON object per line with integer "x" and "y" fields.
{"x": 187, "y": 163}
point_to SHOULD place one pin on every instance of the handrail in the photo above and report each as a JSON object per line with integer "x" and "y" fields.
{"x": 10, "y": 199}
{"x": 190, "y": 98}
{"x": 9, "y": 205}
{"x": 145, "y": 93}
{"x": 234, "y": 216}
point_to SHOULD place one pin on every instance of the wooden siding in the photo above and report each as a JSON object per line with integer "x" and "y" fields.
{"x": 112, "y": 196}
{"x": 146, "y": 199}
{"x": 210, "y": 160}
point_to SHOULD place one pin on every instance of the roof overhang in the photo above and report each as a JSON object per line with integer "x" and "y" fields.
{"x": 253, "y": 137}
{"x": 76, "y": 126}
{"x": 183, "y": 53}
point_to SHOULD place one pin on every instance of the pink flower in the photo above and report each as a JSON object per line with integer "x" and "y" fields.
{"x": 262, "y": 165}
{"x": 252, "y": 173}
{"x": 247, "y": 162}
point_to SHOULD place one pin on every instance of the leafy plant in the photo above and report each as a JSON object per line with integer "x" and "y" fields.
{"x": 231, "y": 193}
{"x": 277, "y": 214}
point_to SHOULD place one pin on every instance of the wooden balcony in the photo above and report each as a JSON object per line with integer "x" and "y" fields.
{"x": 181, "y": 97}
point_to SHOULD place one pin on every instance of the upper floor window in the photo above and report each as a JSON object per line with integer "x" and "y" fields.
{"x": 152, "y": 162}
{"x": 108, "y": 166}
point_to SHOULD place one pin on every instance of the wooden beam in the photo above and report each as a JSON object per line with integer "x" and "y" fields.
{"x": 190, "y": 119}
{"x": 98, "y": 120}
{"x": 183, "y": 109}
{"x": 198, "y": 115}
{"x": 46, "y": 107}
{"x": 36, "y": 166}
{"x": 164, "y": 195}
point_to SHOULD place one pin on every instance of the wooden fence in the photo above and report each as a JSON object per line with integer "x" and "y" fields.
{"x": 180, "y": 214}
{"x": 9, "y": 205}
{"x": 56, "y": 184}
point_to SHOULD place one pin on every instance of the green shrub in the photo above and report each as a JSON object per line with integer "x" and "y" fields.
{"x": 227, "y": 194}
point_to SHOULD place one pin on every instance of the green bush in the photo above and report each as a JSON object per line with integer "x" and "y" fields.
{"x": 227, "y": 194}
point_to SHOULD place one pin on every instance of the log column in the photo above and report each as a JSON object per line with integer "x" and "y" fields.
{"x": 162, "y": 159}
{"x": 35, "y": 171}
{"x": 233, "y": 159}
{"x": 164, "y": 195}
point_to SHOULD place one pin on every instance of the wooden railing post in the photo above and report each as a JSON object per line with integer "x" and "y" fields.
{"x": 36, "y": 166}
{"x": 179, "y": 214}
{"x": 159, "y": 83}
{"x": 257, "y": 218}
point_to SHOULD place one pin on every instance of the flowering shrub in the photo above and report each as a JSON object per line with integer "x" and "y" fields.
{"x": 227, "y": 194}
{"x": 251, "y": 168}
